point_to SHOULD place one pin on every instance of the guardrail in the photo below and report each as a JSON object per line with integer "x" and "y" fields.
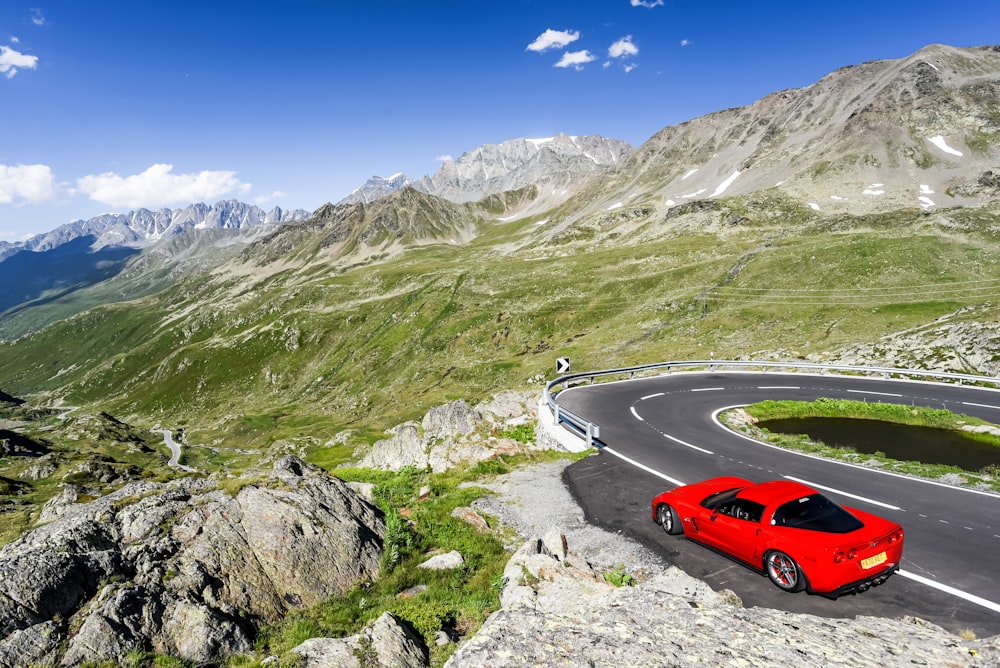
{"x": 591, "y": 432}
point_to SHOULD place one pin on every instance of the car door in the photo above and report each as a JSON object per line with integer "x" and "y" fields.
{"x": 733, "y": 529}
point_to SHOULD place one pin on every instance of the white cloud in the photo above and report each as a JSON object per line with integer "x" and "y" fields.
{"x": 11, "y": 61}
{"x": 554, "y": 39}
{"x": 576, "y": 59}
{"x": 158, "y": 187}
{"x": 445, "y": 158}
{"x": 37, "y": 18}
{"x": 685, "y": 42}
{"x": 266, "y": 199}
{"x": 629, "y": 67}
{"x": 647, "y": 3}
{"x": 27, "y": 184}
{"x": 623, "y": 47}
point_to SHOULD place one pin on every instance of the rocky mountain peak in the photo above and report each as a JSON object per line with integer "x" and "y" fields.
{"x": 517, "y": 163}
{"x": 377, "y": 187}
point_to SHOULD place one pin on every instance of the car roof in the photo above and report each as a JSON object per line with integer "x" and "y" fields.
{"x": 775, "y": 492}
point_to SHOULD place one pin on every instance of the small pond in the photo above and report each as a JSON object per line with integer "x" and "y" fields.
{"x": 903, "y": 442}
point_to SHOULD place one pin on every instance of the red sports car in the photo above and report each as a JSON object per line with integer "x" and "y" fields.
{"x": 800, "y": 538}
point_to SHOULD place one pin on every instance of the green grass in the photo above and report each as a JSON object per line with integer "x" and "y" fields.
{"x": 894, "y": 413}
{"x": 458, "y": 600}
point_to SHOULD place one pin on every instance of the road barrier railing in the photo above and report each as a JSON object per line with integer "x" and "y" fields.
{"x": 591, "y": 432}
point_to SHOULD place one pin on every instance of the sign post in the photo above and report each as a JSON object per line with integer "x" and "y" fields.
{"x": 562, "y": 365}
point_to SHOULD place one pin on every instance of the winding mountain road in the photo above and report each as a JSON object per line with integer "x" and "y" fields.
{"x": 175, "y": 451}
{"x": 662, "y": 432}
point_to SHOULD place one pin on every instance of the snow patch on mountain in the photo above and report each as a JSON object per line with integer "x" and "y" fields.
{"x": 940, "y": 142}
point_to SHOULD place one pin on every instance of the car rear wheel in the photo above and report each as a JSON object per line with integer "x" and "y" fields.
{"x": 784, "y": 572}
{"x": 667, "y": 518}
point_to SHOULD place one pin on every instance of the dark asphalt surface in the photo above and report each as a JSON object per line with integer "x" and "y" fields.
{"x": 961, "y": 550}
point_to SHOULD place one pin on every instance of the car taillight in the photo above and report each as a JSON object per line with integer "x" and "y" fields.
{"x": 840, "y": 555}
{"x": 895, "y": 536}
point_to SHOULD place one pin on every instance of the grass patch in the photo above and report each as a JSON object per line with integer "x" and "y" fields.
{"x": 988, "y": 478}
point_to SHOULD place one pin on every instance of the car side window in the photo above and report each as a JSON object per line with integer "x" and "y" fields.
{"x": 743, "y": 509}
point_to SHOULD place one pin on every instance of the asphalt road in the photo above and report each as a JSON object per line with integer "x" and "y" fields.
{"x": 666, "y": 428}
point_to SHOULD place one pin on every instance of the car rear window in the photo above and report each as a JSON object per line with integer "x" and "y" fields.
{"x": 817, "y": 513}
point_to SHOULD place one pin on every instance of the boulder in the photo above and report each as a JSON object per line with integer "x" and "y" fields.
{"x": 183, "y": 568}
{"x": 404, "y": 448}
{"x": 387, "y": 642}
{"x": 456, "y": 418}
{"x": 443, "y": 562}
{"x": 452, "y": 434}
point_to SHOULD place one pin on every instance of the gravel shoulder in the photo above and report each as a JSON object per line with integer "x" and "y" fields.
{"x": 533, "y": 499}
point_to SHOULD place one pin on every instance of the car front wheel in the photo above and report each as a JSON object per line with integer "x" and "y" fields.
{"x": 667, "y": 518}
{"x": 784, "y": 572}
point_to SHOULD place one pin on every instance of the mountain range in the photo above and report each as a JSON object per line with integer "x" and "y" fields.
{"x": 143, "y": 227}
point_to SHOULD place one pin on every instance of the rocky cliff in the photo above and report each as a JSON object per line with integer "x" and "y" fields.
{"x": 182, "y": 568}
{"x": 559, "y": 612}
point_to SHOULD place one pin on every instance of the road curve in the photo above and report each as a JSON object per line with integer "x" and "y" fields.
{"x": 663, "y": 432}
{"x": 175, "y": 451}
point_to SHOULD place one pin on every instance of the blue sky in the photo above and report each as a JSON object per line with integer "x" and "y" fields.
{"x": 111, "y": 105}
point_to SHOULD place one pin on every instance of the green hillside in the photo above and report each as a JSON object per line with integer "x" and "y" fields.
{"x": 313, "y": 341}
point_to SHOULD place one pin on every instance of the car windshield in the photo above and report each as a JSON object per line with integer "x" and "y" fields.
{"x": 717, "y": 499}
{"x": 817, "y": 513}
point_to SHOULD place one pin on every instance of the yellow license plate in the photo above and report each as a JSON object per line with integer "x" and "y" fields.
{"x": 871, "y": 562}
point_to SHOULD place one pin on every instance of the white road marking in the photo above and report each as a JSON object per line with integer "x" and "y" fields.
{"x": 969, "y": 403}
{"x": 995, "y": 607}
{"x": 637, "y": 416}
{"x": 693, "y": 447}
{"x": 881, "y": 394}
{"x": 652, "y": 396}
{"x": 707, "y": 389}
{"x": 842, "y": 493}
{"x": 778, "y": 387}
{"x": 837, "y": 462}
{"x": 645, "y": 468}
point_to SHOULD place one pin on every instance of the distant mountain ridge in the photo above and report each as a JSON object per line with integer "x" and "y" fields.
{"x": 142, "y": 227}
{"x": 491, "y": 169}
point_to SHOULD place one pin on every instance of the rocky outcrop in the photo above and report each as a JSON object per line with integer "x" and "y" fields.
{"x": 557, "y": 612}
{"x": 454, "y": 433}
{"x": 965, "y": 341}
{"x": 182, "y": 568}
{"x": 387, "y": 642}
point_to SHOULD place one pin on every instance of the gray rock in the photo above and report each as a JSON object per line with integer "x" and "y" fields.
{"x": 559, "y": 615}
{"x": 183, "y": 568}
{"x": 442, "y": 562}
{"x": 451, "y": 434}
{"x": 36, "y": 645}
{"x": 404, "y": 448}
{"x": 456, "y": 418}
{"x": 385, "y": 642}
{"x": 38, "y": 471}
